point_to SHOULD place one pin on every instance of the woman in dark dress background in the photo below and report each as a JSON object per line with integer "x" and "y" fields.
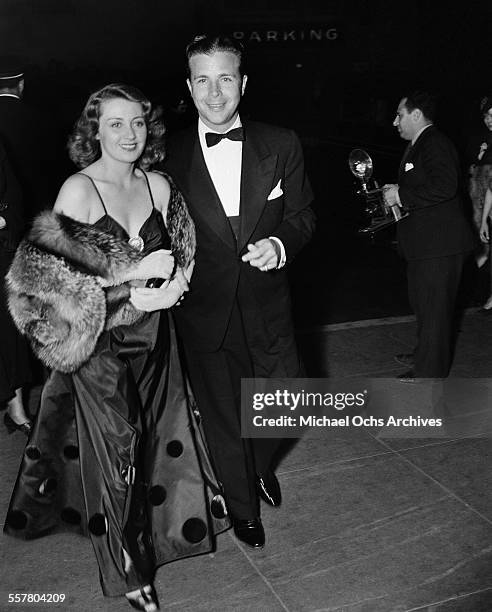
{"x": 479, "y": 159}
{"x": 15, "y": 368}
{"x": 116, "y": 452}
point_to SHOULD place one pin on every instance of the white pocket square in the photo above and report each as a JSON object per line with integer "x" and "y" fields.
{"x": 276, "y": 191}
{"x": 408, "y": 166}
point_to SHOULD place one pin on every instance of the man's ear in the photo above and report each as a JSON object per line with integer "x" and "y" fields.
{"x": 188, "y": 82}
{"x": 243, "y": 84}
{"x": 416, "y": 114}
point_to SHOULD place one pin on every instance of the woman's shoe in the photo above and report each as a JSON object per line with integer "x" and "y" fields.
{"x": 12, "y": 426}
{"x": 144, "y": 599}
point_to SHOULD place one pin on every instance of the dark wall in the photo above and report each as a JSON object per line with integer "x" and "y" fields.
{"x": 343, "y": 86}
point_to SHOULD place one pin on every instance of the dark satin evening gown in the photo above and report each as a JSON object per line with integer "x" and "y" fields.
{"x": 117, "y": 453}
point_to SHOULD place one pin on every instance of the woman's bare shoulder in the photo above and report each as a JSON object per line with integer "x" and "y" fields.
{"x": 77, "y": 198}
{"x": 161, "y": 190}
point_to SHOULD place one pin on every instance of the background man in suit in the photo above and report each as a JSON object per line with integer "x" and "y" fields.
{"x": 29, "y": 138}
{"x": 434, "y": 239}
{"x": 15, "y": 367}
{"x": 246, "y": 188}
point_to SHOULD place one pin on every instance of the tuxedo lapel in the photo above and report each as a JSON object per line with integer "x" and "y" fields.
{"x": 412, "y": 151}
{"x": 257, "y": 173}
{"x": 406, "y": 153}
{"x": 202, "y": 199}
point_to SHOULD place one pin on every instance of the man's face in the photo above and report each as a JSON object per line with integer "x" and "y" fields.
{"x": 404, "y": 121}
{"x": 216, "y": 87}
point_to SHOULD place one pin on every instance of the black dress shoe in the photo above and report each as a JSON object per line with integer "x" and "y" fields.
{"x": 408, "y": 377}
{"x": 250, "y": 532}
{"x": 12, "y": 426}
{"x": 144, "y": 599}
{"x": 269, "y": 489}
{"x": 406, "y": 359}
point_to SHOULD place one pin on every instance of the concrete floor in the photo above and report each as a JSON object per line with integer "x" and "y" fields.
{"x": 371, "y": 521}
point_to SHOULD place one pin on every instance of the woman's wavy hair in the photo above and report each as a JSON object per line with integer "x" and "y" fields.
{"x": 84, "y": 147}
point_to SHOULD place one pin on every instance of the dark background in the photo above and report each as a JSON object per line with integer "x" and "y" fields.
{"x": 339, "y": 93}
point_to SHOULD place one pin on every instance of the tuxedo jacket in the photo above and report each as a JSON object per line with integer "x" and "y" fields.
{"x": 11, "y": 208}
{"x": 428, "y": 180}
{"x": 275, "y": 199}
{"x": 30, "y": 140}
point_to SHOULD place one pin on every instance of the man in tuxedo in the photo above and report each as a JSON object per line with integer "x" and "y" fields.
{"x": 247, "y": 191}
{"x": 435, "y": 238}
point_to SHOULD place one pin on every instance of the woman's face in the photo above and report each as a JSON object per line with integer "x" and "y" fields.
{"x": 487, "y": 119}
{"x": 122, "y": 130}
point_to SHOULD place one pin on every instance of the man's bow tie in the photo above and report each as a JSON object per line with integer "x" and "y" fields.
{"x": 212, "y": 138}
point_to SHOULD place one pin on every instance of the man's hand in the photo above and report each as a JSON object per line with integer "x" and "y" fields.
{"x": 484, "y": 231}
{"x": 390, "y": 195}
{"x": 264, "y": 255}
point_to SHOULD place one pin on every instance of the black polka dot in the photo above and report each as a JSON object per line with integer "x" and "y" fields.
{"x": 48, "y": 486}
{"x": 217, "y": 507}
{"x": 194, "y": 530}
{"x": 32, "y": 452}
{"x": 16, "y": 519}
{"x": 71, "y": 516}
{"x": 98, "y": 524}
{"x": 157, "y": 495}
{"x": 174, "y": 448}
{"x": 71, "y": 451}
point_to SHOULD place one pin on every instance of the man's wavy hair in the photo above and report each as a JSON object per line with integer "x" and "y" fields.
{"x": 425, "y": 101}
{"x": 208, "y": 44}
{"x": 83, "y": 146}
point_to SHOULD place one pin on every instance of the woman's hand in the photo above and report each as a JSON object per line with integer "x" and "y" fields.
{"x": 188, "y": 272}
{"x": 484, "y": 231}
{"x": 157, "y": 299}
{"x": 159, "y": 264}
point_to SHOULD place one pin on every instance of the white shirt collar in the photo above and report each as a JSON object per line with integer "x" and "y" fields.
{"x": 202, "y": 128}
{"x": 420, "y": 132}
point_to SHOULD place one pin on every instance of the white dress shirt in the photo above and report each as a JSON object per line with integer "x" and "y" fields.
{"x": 414, "y": 139}
{"x": 224, "y": 163}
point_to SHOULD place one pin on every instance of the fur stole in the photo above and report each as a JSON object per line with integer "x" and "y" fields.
{"x": 55, "y": 283}
{"x": 480, "y": 181}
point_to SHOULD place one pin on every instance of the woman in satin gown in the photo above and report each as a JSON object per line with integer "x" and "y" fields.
{"x": 116, "y": 452}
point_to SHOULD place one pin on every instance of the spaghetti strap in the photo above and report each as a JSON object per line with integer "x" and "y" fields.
{"x": 148, "y": 187}
{"x": 97, "y": 190}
